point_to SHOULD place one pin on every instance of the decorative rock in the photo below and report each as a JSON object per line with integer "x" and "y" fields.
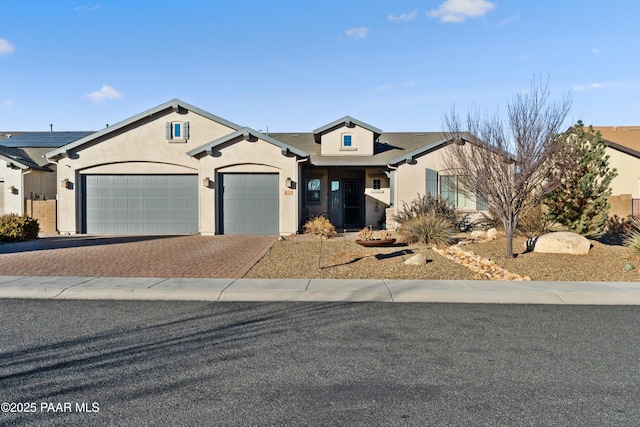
{"x": 478, "y": 235}
{"x": 417, "y": 259}
{"x": 561, "y": 242}
{"x": 484, "y": 268}
{"x": 492, "y": 234}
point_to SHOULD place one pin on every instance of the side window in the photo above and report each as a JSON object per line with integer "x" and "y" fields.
{"x": 376, "y": 184}
{"x": 313, "y": 190}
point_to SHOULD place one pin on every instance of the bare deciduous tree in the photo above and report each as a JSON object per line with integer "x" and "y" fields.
{"x": 510, "y": 162}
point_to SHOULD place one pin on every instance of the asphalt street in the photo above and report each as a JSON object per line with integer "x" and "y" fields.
{"x": 140, "y": 363}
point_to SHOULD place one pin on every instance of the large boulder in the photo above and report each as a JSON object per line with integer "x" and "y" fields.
{"x": 560, "y": 242}
{"x": 417, "y": 259}
{"x": 492, "y": 234}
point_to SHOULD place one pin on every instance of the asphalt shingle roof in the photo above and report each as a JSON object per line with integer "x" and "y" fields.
{"x": 391, "y": 145}
{"x": 21, "y": 158}
{"x": 622, "y": 137}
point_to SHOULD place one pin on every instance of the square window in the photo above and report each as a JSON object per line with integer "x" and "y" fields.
{"x": 346, "y": 140}
{"x": 376, "y": 184}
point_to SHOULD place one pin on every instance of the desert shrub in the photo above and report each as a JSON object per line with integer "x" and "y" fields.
{"x": 426, "y": 228}
{"x": 365, "y": 234}
{"x": 320, "y": 226}
{"x": 426, "y": 205}
{"x": 534, "y": 223}
{"x": 633, "y": 238}
{"x": 487, "y": 220}
{"x": 17, "y": 228}
{"x": 620, "y": 226}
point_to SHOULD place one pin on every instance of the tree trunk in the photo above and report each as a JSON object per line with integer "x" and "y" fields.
{"x": 320, "y": 254}
{"x": 509, "y": 234}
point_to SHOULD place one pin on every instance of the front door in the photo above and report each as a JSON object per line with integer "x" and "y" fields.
{"x": 353, "y": 198}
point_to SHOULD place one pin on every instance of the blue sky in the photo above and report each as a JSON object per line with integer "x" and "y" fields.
{"x": 292, "y": 65}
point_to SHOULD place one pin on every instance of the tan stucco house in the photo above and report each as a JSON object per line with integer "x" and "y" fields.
{"x": 176, "y": 169}
{"x": 623, "y": 148}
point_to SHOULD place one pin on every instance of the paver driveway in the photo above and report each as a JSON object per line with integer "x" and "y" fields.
{"x": 134, "y": 256}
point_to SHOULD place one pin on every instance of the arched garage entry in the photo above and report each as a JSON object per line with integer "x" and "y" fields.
{"x": 248, "y": 203}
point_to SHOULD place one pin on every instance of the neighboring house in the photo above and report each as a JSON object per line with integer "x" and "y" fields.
{"x": 623, "y": 148}
{"x": 176, "y": 169}
{"x": 25, "y": 174}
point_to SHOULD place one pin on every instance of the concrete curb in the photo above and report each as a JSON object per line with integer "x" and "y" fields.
{"x": 374, "y": 290}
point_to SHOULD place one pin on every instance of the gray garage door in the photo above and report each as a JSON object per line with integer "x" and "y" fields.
{"x": 140, "y": 204}
{"x": 249, "y": 203}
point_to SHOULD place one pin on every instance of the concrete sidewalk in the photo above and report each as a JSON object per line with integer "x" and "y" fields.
{"x": 463, "y": 291}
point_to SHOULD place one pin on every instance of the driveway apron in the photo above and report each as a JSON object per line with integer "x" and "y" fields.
{"x": 134, "y": 256}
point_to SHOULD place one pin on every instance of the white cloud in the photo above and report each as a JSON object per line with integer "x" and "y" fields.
{"x": 384, "y": 88}
{"x": 403, "y": 16}
{"x": 79, "y": 8}
{"x": 105, "y": 92}
{"x": 460, "y": 10}
{"x": 508, "y": 21}
{"x": 595, "y": 51}
{"x": 6, "y": 47}
{"x": 390, "y": 86}
{"x": 595, "y": 85}
{"x": 357, "y": 33}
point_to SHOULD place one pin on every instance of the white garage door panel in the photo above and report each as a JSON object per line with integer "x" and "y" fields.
{"x": 140, "y": 204}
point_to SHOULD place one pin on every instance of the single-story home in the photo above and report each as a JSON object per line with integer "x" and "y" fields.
{"x": 177, "y": 169}
{"x": 623, "y": 148}
{"x": 25, "y": 174}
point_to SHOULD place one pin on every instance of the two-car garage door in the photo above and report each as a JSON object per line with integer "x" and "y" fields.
{"x": 168, "y": 204}
{"x": 140, "y": 204}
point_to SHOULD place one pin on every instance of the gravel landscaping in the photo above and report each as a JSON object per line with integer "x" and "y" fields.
{"x": 342, "y": 258}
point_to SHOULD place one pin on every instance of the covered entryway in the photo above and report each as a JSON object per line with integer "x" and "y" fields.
{"x": 249, "y": 203}
{"x": 140, "y": 204}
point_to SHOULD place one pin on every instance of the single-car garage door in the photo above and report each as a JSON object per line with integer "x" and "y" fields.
{"x": 140, "y": 204}
{"x": 249, "y": 203}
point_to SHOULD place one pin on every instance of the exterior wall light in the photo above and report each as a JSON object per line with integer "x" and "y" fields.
{"x": 288, "y": 183}
{"x": 206, "y": 182}
{"x": 13, "y": 190}
{"x": 65, "y": 183}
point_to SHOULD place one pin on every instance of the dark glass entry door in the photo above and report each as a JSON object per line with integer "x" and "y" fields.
{"x": 353, "y": 197}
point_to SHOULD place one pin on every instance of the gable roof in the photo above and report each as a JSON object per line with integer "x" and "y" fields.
{"x": 621, "y": 138}
{"x": 247, "y": 134}
{"x": 18, "y": 158}
{"x": 347, "y": 121}
{"x": 390, "y": 146}
{"x": 175, "y": 104}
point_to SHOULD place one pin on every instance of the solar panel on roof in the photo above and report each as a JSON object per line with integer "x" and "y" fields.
{"x": 43, "y": 139}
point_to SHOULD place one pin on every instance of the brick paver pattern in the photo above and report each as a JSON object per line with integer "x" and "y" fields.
{"x": 134, "y": 256}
